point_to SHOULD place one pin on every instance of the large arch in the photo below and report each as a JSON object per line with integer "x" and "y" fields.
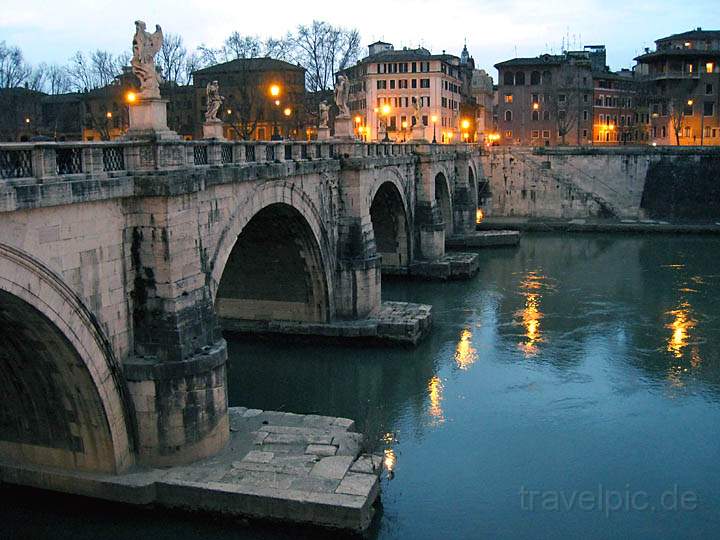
{"x": 63, "y": 402}
{"x": 272, "y": 262}
{"x": 390, "y": 227}
{"x": 444, "y": 201}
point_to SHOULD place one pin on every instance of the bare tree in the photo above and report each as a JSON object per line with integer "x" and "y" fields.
{"x": 323, "y": 49}
{"x": 281, "y": 48}
{"x": 56, "y": 79}
{"x": 239, "y": 46}
{"x": 14, "y": 71}
{"x": 245, "y": 103}
{"x": 172, "y": 58}
{"x": 193, "y": 62}
{"x": 675, "y": 101}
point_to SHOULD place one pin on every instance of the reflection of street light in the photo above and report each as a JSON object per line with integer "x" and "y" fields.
{"x": 433, "y": 119}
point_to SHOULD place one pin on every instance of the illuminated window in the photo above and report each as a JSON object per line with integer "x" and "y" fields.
{"x": 535, "y": 134}
{"x": 508, "y": 134}
{"x": 508, "y": 98}
{"x": 709, "y": 67}
{"x": 546, "y": 134}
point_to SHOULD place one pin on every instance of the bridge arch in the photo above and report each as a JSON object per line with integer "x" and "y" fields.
{"x": 63, "y": 400}
{"x": 389, "y": 216}
{"x": 443, "y": 199}
{"x": 272, "y": 262}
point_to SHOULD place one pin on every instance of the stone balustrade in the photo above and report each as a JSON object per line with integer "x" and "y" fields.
{"x": 47, "y": 160}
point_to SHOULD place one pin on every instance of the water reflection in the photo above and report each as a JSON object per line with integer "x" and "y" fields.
{"x": 681, "y": 324}
{"x": 531, "y": 315}
{"x": 390, "y": 461}
{"x": 465, "y": 353}
{"x": 435, "y": 390}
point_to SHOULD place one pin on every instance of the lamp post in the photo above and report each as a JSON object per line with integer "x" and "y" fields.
{"x": 358, "y": 126}
{"x": 275, "y": 94}
{"x": 386, "y": 113}
{"x": 404, "y": 127}
{"x": 702, "y": 122}
{"x": 433, "y": 119}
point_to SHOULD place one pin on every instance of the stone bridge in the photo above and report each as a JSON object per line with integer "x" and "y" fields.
{"x": 118, "y": 259}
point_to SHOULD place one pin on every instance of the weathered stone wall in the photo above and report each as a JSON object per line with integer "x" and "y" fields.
{"x": 626, "y": 183}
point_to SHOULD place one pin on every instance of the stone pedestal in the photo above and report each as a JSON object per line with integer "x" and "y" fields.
{"x": 418, "y": 133}
{"x": 213, "y": 130}
{"x": 343, "y": 128}
{"x": 148, "y": 120}
{"x": 323, "y": 133}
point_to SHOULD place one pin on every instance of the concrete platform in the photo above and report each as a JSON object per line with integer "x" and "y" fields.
{"x": 395, "y": 322}
{"x": 282, "y": 466}
{"x": 645, "y": 226}
{"x": 450, "y": 266}
{"x": 482, "y": 239}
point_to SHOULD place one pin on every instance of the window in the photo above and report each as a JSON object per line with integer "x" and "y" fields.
{"x": 562, "y": 115}
{"x": 585, "y": 133}
{"x": 546, "y": 134}
{"x": 509, "y": 78}
{"x": 535, "y": 134}
{"x": 535, "y": 98}
{"x": 535, "y": 77}
{"x": 424, "y": 83}
{"x": 414, "y": 83}
{"x": 508, "y": 116}
{"x": 688, "y": 109}
{"x": 402, "y": 83}
{"x": 546, "y": 115}
{"x": 536, "y": 116}
{"x": 414, "y": 67}
{"x": 508, "y": 98}
{"x": 709, "y": 67}
{"x": 520, "y": 78}
{"x": 708, "y": 89}
{"x": 585, "y": 115}
{"x": 586, "y": 98}
{"x": 392, "y": 84}
{"x": 708, "y": 108}
{"x": 562, "y": 98}
{"x": 381, "y": 84}
{"x": 663, "y": 132}
{"x": 425, "y": 120}
{"x": 546, "y": 77}
{"x": 508, "y": 134}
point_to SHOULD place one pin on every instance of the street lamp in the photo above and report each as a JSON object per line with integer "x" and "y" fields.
{"x": 404, "y": 127}
{"x": 27, "y": 120}
{"x": 386, "y": 113}
{"x": 274, "y": 90}
{"x": 131, "y": 97}
{"x": 433, "y": 119}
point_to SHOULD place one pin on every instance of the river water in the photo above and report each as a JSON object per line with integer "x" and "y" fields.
{"x": 571, "y": 389}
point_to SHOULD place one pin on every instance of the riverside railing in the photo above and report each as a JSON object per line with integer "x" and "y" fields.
{"x": 46, "y": 161}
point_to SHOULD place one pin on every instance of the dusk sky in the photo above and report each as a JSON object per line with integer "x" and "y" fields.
{"x": 495, "y": 30}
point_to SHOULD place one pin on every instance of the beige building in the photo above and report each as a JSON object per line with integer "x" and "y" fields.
{"x": 482, "y": 90}
{"x": 680, "y": 81}
{"x": 385, "y": 85}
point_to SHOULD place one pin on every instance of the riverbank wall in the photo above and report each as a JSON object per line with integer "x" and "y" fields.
{"x": 621, "y": 183}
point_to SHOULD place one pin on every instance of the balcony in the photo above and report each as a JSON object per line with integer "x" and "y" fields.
{"x": 666, "y": 75}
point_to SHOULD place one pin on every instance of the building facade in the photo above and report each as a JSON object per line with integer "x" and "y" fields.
{"x": 264, "y": 97}
{"x": 680, "y": 87}
{"x": 618, "y": 116}
{"x": 546, "y": 101}
{"x": 386, "y": 85}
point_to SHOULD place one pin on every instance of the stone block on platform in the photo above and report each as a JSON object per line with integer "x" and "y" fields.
{"x": 148, "y": 120}
{"x": 323, "y": 133}
{"x": 343, "y": 128}
{"x": 213, "y": 130}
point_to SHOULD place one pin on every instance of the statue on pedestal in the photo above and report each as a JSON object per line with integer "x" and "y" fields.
{"x": 145, "y": 46}
{"x": 342, "y": 93}
{"x": 214, "y": 100}
{"x": 324, "y": 114}
{"x": 416, "y": 110}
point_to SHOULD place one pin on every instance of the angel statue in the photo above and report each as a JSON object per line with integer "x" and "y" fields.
{"x": 324, "y": 114}
{"x": 342, "y": 93}
{"x": 145, "y": 46}
{"x": 214, "y": 100}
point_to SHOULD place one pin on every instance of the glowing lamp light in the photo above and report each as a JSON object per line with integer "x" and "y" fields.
{"x": 131, "y": 97}
{"x": 433, "y": 119}
{"x": 465, "y": 123}
{"x": 27, "y": 120}
{"x": 287, "y": 111}
{"x": 404, "y": 124}
{"x": 358, "y": 120}
{"x": 386, "y": 109}
{"x": 274, "y": 90}
{"x": 536, "y": 106}
{"x": 229, "y": 111}
{"x": 108, "y": 115}
{"x": 690, "y": 102}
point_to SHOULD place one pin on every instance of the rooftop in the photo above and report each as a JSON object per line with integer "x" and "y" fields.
{"x": 250, "y": 64}
{"x": 545, "y": 59}
{"x": 697, "y": 33}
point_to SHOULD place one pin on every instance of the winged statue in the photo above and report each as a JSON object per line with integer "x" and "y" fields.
{"x": 145, "y": 46}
